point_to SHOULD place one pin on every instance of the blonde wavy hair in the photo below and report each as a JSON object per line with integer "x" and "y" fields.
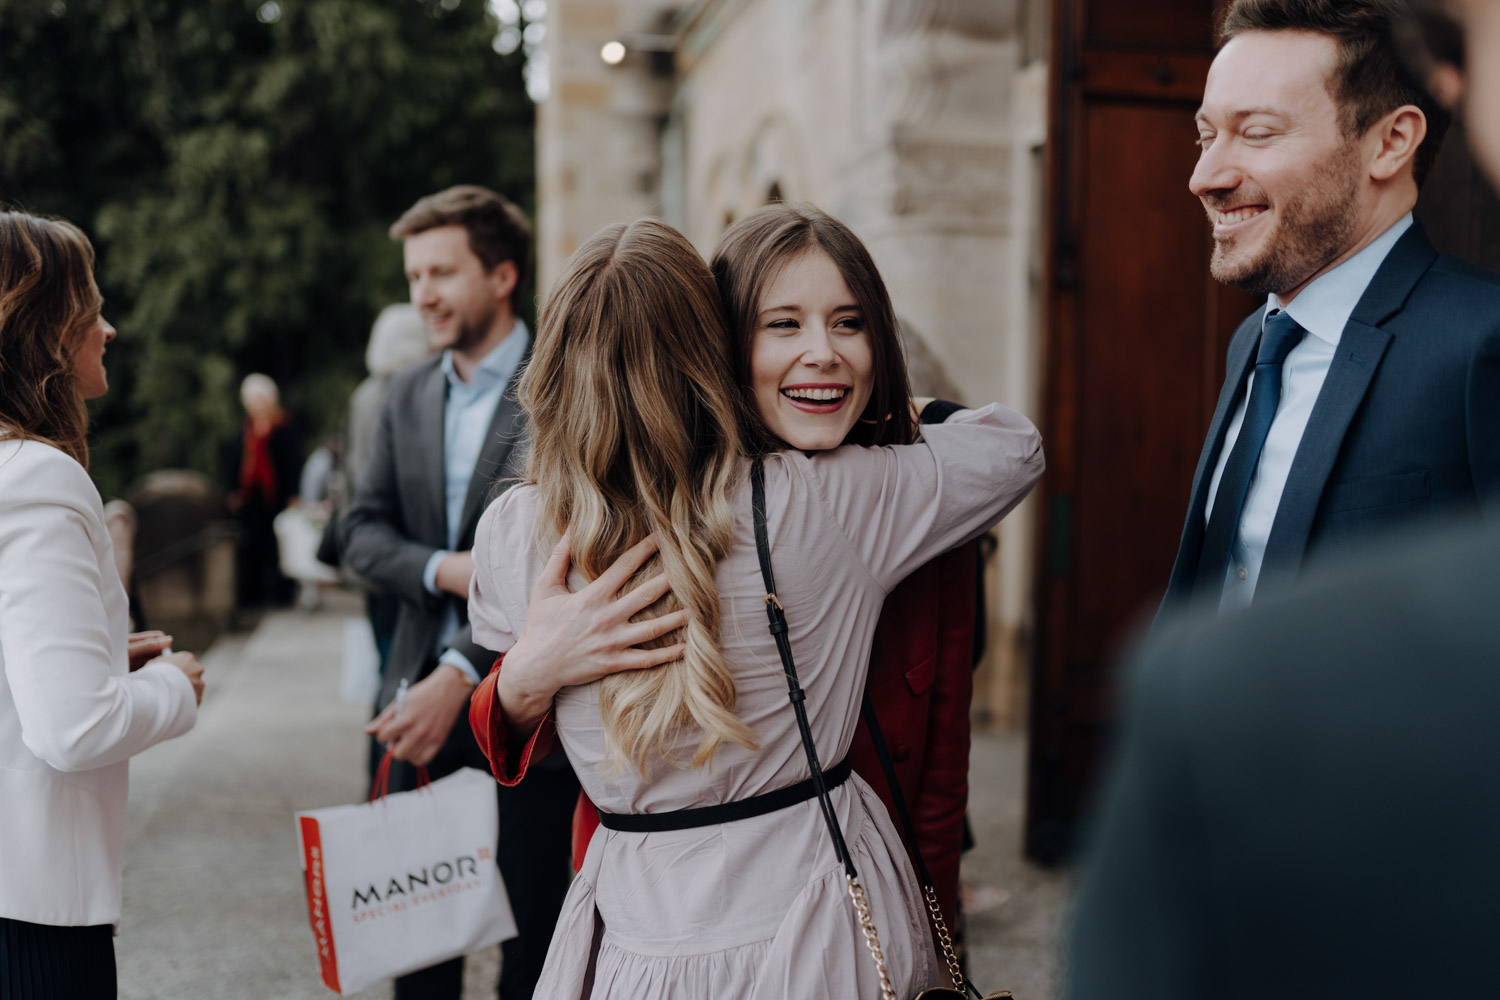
{"x": 635, "y": 423}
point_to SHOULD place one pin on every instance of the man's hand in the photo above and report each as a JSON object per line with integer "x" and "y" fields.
{"x": 573, "y": 639}
{"x": 454, "y": 573}
{"x": 147, "y": 646}
{"x": 427, "y": 714}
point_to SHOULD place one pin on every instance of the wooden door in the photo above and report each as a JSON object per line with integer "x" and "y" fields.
{"x": 1136, "y": 336}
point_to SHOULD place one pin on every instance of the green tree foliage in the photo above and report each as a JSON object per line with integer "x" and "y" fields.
{"x": 237, "y": 163}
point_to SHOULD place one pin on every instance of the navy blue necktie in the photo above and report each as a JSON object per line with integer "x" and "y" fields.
{"x": 1279, "y": 335}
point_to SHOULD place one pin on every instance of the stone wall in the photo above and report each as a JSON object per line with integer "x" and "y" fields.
{"x": 599, "y": 144}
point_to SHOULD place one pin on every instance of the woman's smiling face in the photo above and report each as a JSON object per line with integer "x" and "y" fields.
{"x": 810, "y": 359}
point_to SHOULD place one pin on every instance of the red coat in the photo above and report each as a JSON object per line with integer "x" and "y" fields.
{"x": 921, "y": 682}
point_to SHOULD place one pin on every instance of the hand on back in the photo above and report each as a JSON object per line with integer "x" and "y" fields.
{"x": 576, "y": 638}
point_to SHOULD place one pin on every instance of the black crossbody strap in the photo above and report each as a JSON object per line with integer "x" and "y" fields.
{"x": 902, "y": 812}
{"x": 777, "y": 617}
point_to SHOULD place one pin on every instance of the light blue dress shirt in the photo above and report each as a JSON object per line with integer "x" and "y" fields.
{"x": 1322, "y": 309}
{"x": 467, "y": 412}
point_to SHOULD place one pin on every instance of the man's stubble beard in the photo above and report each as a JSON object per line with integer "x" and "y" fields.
{"x": 472, "y": 331}
{"x": 1315, "y": 228}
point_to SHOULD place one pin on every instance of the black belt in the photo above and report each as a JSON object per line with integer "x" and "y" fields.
{"x": 728, "y": 812}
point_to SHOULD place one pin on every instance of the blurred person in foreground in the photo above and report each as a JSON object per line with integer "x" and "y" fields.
{"x": 265, "y": 464}
{"x": 448, "y": 439}
{"x": 1304, "y": 799}
{"x": 1365, "y": 396}
{"x": 79, "y": 695}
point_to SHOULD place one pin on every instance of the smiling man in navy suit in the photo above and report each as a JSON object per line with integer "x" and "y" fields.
{"x": 1302, "y": 801}
{"x": 1365, "y": 395}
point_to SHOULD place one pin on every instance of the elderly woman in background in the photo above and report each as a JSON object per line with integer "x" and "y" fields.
{"x": 263, "y": 466}
{"x": 78, "y": 695}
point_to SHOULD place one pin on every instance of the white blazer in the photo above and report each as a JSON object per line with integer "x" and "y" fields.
{"x": 71, "y": 713}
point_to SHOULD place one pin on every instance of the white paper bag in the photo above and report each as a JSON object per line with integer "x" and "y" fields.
{"x": 359, "y": 676}
{"x": 404, "y": 882}
{"x": 298, "y": 534}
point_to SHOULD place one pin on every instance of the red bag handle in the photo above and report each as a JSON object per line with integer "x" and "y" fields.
{"x": 381, "y": 786}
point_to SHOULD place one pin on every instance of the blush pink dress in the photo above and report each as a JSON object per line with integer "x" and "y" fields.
{"x": 759, "y": 908}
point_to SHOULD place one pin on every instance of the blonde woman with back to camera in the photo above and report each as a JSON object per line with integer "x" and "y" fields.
{"x": 78, "y": 695}
{"x": 639, "y": 448}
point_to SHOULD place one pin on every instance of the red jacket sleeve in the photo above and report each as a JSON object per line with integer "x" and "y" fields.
{"x": 509, "y": 758}
{"x": 921, "y": 684}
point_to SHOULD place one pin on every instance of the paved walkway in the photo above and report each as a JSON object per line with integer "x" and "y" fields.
{"x": 213, "y": 890}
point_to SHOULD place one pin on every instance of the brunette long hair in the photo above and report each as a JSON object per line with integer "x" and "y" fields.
{"x": 635, "y": 426}
{"x": 752, "y": 253}
{"x": 48, "y": 303}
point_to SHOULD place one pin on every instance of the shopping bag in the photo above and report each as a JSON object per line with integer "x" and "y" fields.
{"x": 359, "y": 673}
{"x": 298, "y": 534}
{"x": 404, "y": 881}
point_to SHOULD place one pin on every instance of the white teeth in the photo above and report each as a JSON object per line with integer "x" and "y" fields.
{"x": 1238, "y": 215}
{"x": 816, "y": 395}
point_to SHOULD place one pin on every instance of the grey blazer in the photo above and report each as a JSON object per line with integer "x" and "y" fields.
{"x": 398, "y": 517}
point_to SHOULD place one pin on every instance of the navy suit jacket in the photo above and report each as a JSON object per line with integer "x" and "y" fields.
{"x": 1406, "y": 426}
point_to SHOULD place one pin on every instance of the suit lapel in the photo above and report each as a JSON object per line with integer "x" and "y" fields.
{"x": 1361, "y": 348}
{"x": 506, "y": 428}
{"x": 432, "y": 402}
{"x": 1349, "y": 375}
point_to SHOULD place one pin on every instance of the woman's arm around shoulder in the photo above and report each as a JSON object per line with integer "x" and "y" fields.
{"x": 79, "y": 706}
{"x": 902, "y": 505}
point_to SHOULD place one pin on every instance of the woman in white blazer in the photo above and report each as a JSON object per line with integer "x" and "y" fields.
{"x": 77, "y": 697}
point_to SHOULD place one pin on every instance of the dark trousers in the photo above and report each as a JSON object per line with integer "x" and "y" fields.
{"x": 258, "y": 560}
{"x": 536, "y": 825}
{"x": 43, "y": 962}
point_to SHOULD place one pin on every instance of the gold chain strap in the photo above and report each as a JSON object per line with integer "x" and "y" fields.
{"x": 872, "y": 939}
{"x": 944, "y": 938}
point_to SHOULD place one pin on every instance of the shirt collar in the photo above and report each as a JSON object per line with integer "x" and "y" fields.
{"x": 1325, "y": 305}
{"x": 498, "y": 365}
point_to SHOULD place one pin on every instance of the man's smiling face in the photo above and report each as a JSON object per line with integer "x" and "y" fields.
{"x": 1281, "y": 182}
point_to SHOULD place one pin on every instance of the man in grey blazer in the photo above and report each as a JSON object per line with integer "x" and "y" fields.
{"x": 447, "y": 441}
